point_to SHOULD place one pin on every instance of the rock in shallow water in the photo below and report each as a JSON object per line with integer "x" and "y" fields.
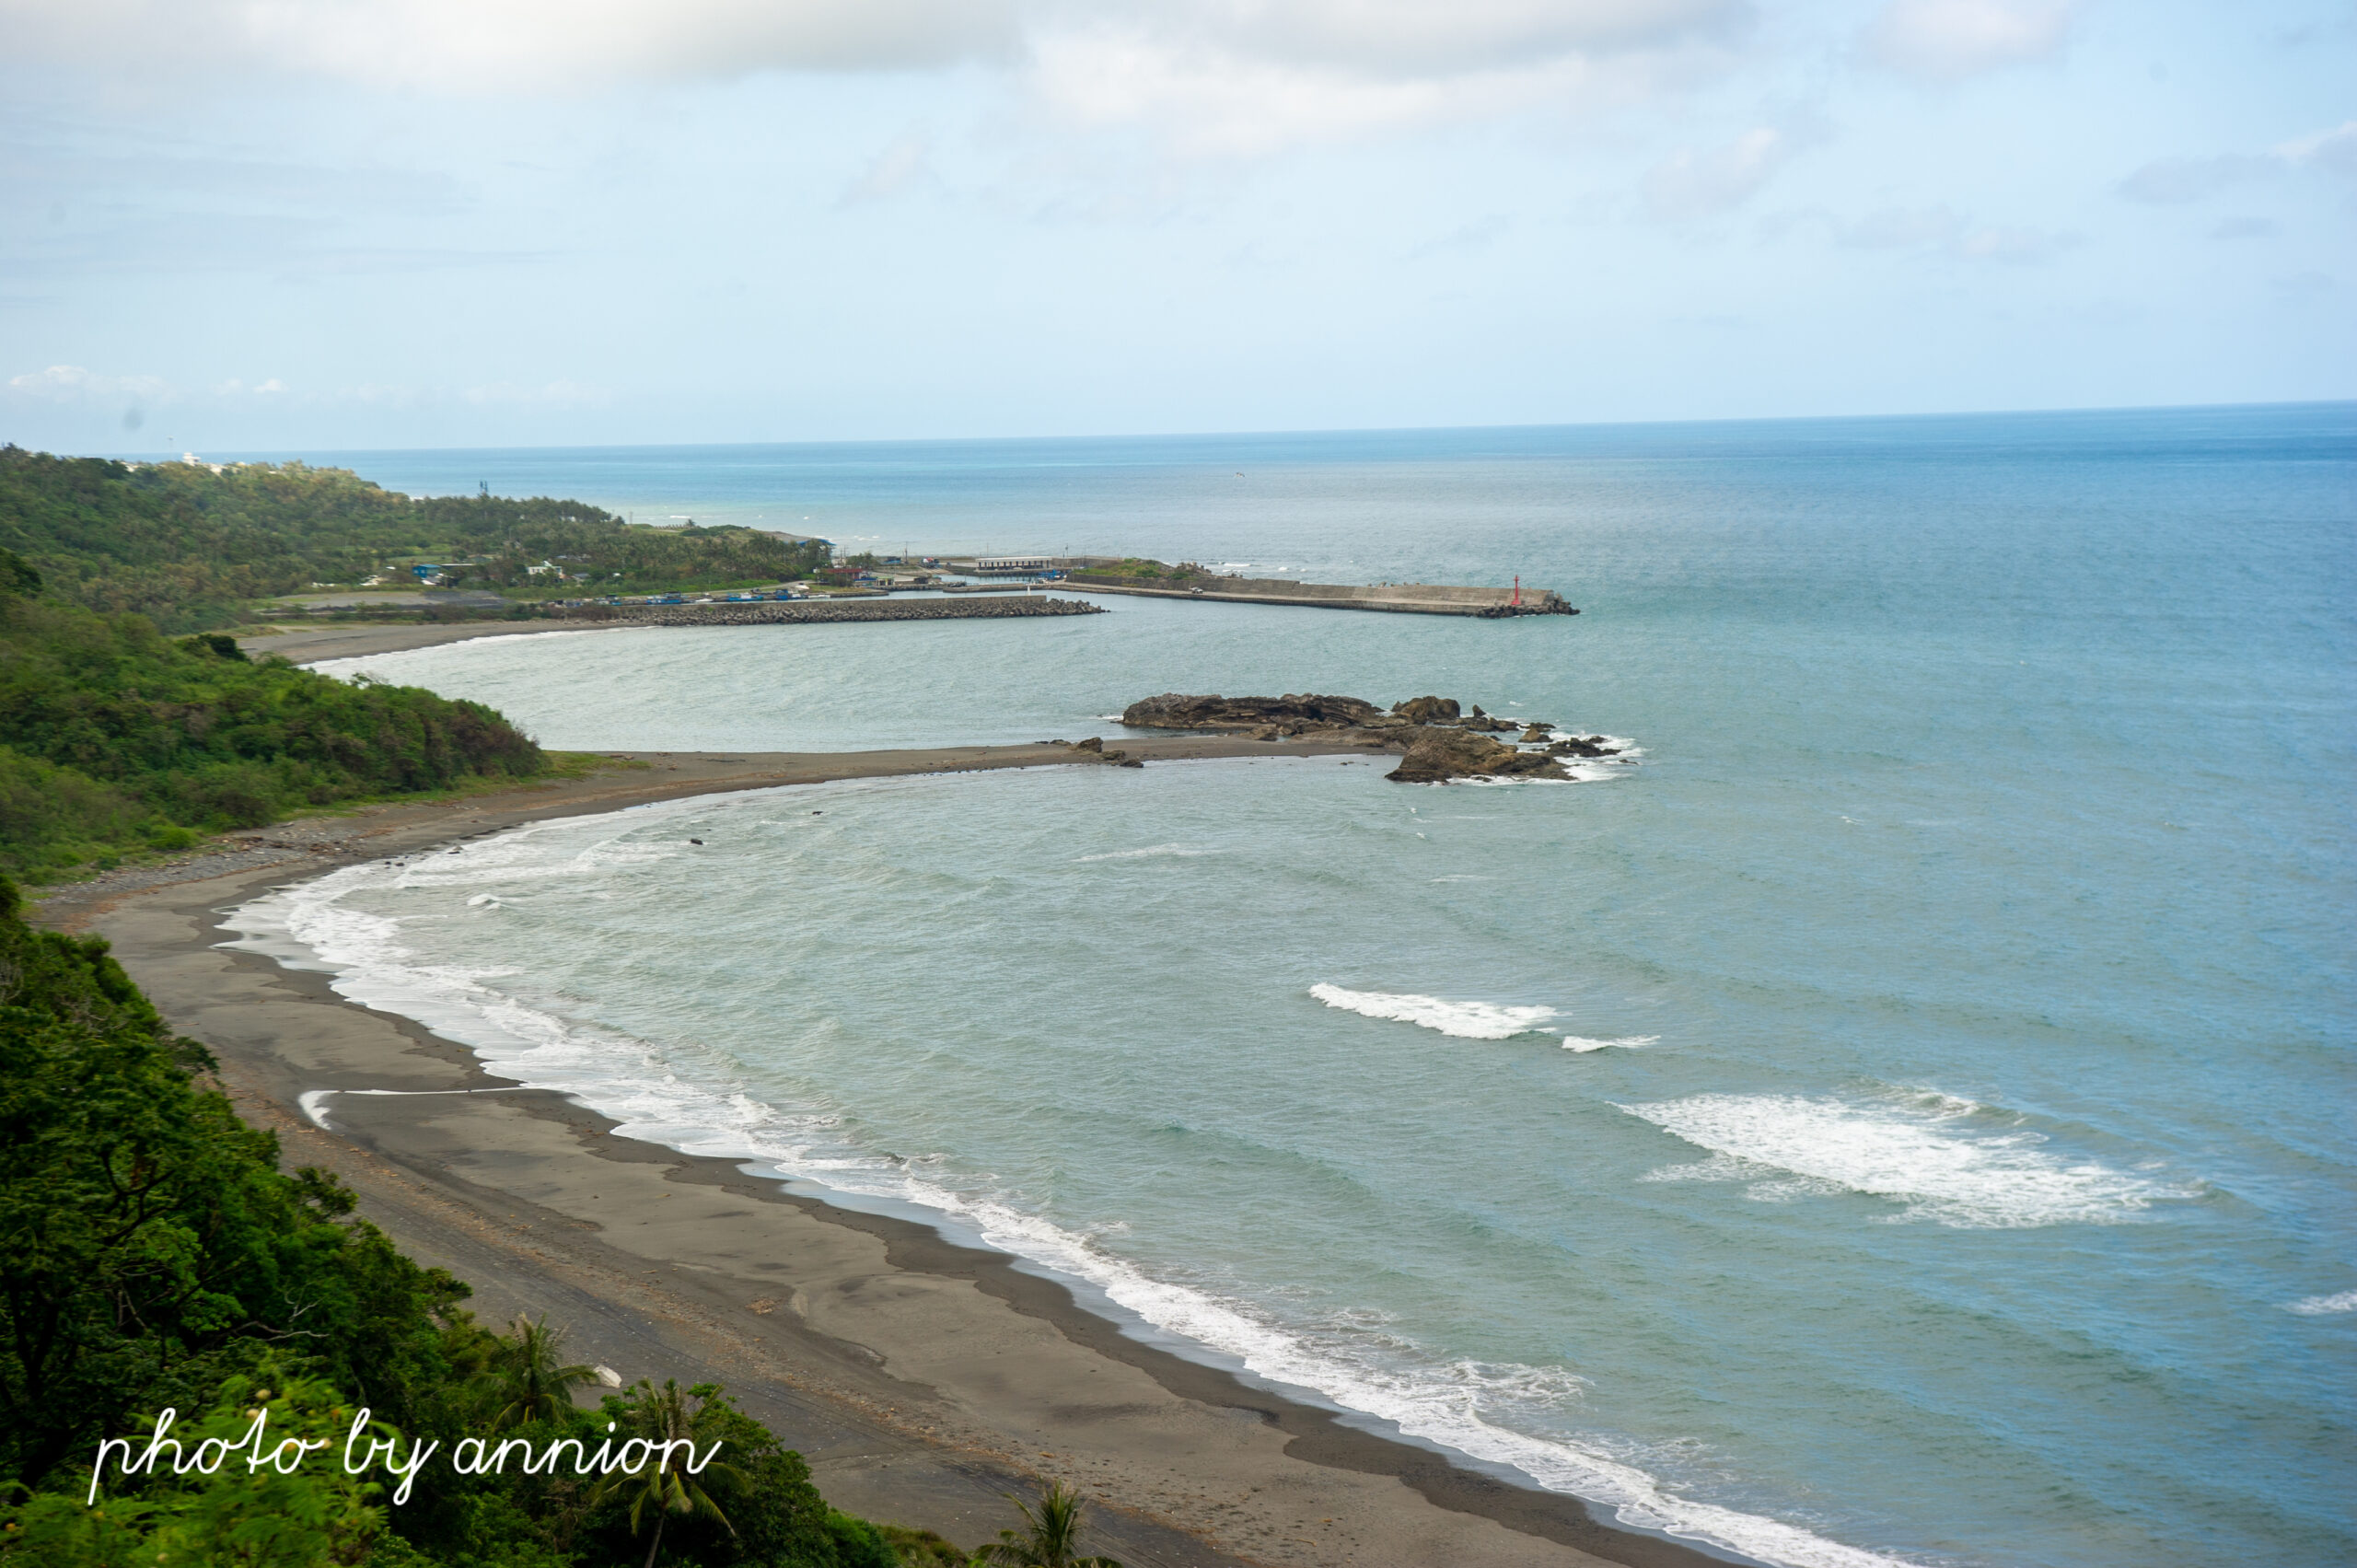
{"x": 1439, "y": 743}
{"x": 1438, "y": 755}
{"x": 1427, "y": 710}
{"x": 1289, "y": 715}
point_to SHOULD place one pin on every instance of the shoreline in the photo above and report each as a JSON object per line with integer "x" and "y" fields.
{"x": 353, "y": 639}
{"x": 921, "y": 1376}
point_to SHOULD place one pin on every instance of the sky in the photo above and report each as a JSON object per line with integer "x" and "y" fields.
{"x": 292, "y": 224}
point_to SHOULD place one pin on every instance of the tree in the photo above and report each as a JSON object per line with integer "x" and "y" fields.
{"x": 150, "y": 1246}
{"x": 665, "y": 1486}
{"x": 1051, "y": 1535}
{"x": 17, "y": 575}
{"x": 273, "y": 1516}
{"x": 113, "y": 738}
{"x": 530, "y": 1376}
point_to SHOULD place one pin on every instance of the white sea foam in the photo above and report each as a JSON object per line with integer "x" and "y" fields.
{"x": 2323, "y": 1306}
{"x": 1152, "y": 851}
{"x": 1466, "y": 1020}
{"x": 1627, "y": 1042}
{"x": 1914, "y": 1152}
{"x": 1461, "y": 1405}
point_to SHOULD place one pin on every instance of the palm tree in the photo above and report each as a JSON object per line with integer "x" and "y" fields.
{"x": 663, "y": 1416}
{"x": 530, "y": 1374}
{"x": 1050, "y": 1537}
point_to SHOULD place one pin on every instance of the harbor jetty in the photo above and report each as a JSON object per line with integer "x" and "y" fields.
{"x": 1153, "y": 579}
{"x": 775, "y": 613}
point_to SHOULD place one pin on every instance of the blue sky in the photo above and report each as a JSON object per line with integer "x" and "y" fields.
{"x": 304, "y": 223}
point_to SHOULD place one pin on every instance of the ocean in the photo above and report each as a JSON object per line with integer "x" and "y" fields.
{"x": 1897, "y": 1112}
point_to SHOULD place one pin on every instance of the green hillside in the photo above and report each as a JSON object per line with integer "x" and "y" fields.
{"x": 115, "y": 739}
{"x": 190, "y": 549}
{"x": 153, "y": 1255}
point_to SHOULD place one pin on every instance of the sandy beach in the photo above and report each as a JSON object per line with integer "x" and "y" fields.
{"x": 358, "y": 640}
{"x": 312, "y": 644}
{"x": 922, "y": 1379}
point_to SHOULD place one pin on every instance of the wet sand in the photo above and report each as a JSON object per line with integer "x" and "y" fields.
{"x": 922, "y": 1379}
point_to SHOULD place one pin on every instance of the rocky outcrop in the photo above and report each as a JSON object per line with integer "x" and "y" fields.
{"x": 1095, "y": 746}
{"x": 1427, "y": 710}
{"x": 1440, "y": 754}
{"x": 1440, "y": 741}
{"x": 1290, "y": 715}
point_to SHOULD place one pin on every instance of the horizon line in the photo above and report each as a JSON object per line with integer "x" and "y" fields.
{"x": 149, "y": 454}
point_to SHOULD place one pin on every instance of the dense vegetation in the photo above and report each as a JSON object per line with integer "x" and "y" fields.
{"x": 190, "y": 549}
{"x": 152, "y": 1254}
{"x": 1138, "y": 566}
{"x": 115, "y": 739}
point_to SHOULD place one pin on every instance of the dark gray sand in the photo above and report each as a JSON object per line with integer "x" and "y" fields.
{"x": 923, "y": 1380}
{"x": 357, "y": 640}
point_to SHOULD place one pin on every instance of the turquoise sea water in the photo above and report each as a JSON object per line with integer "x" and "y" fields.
{"x": 1905, "y": 1116}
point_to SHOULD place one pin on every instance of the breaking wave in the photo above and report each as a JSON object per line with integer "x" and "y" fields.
{"x": 1917, "y": 1153}
{"x": 1464, "y": 1020}
{"x": 1627, "y": 1042}
{"x": 1152, "y": 851}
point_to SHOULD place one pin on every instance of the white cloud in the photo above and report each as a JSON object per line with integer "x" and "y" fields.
{"x": 1946, "y": 41}
{"x": 553, "y": 394}
{"x": 504, "y": 45}
{"x": 73, "y": 384}
{"x": 2170, "y": 181}
{"x": 1216, "y": 75}
{"x": 901, "y": 167}
{"x": 1944, "y": 232}
{"x": 1235, "y": 77}
{"x": 1898, "y": 228}
{"x": 1692, "y": 182}
{"x": 2247, "y": 228}
{"x": 1407, "y": 40}
{"x": 2013, "y": 246}
{"x": 1206, "y": 100}
{"x": 2335, "y": 150}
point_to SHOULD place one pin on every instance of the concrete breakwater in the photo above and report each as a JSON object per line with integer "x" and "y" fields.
{"x": 1410, "y": 599}
{"x": 771, "y": 612}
